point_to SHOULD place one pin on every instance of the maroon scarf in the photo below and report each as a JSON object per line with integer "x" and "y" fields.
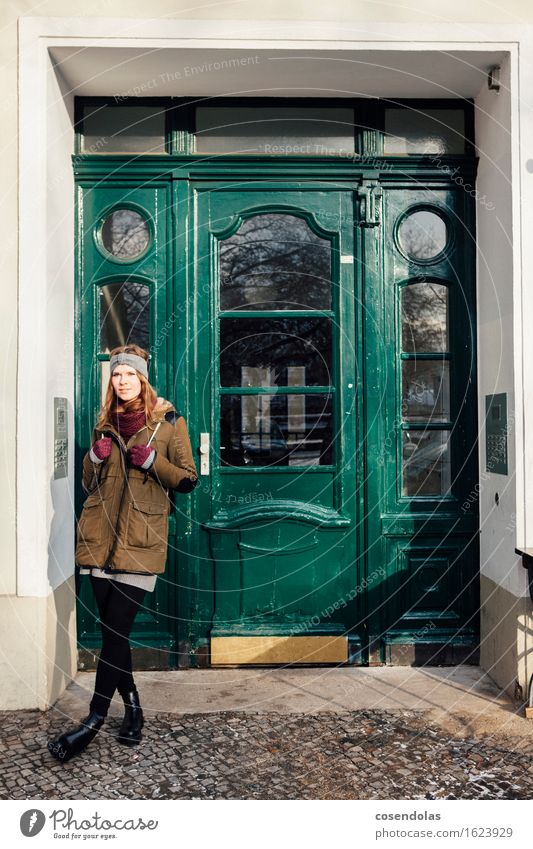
{"x": 128, "y": 423}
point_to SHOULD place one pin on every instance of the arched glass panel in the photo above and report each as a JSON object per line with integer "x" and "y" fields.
{"x": 124, "y": 315}
{"x": 424, "y": 317}
{"x": 125, "y": 234}
{"x": 274, "y": 262}
{"x": 422, "y": 235}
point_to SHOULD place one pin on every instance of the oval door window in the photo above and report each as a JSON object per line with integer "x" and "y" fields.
{"x": 422, "y": 235}
{"x": 125, "y": 234}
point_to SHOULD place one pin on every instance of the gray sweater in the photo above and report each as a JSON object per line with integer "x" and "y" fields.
{"x": 146, "y": 582}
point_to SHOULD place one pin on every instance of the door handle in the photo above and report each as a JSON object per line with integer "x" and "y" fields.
{"x": 204, "y": 453}
{"x": 371, "y": 194}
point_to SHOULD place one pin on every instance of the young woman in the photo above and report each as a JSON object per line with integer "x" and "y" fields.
{"x": 140, "y": 451}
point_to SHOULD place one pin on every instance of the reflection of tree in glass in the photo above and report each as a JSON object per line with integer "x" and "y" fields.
{"x": 275, "y": 261}
{"x": 124, "y": 315}
{"x": 125, "y": 233}
{"x": 276, "y": 343}
{"x": 424, "y": 317}
{"x": 423, "y": 234}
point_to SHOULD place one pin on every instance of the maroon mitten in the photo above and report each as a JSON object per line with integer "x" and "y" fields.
{"x": 141, "y": 456}
{"x": 101, "y": 449}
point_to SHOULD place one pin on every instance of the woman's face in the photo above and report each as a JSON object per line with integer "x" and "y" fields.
{"x": 126, "y": 383}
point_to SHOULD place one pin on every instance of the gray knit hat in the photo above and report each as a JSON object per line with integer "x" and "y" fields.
{"x": 123, "y": 359}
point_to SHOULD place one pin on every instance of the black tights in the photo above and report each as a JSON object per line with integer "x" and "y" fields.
{"x": 117, "y": 604}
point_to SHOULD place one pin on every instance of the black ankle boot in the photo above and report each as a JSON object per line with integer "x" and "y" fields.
{"x": 130, "y": 730}
{"x": 73, "y": 742}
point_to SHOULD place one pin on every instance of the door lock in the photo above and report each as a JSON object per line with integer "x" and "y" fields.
{"x": 204, "y": 453}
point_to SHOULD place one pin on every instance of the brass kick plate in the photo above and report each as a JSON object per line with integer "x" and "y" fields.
{"x": 243, "y": 650}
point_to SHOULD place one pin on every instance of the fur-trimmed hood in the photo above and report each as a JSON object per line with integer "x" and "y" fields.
{"x": 162, "y": 408}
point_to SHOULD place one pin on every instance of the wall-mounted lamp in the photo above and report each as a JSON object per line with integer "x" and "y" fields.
{"x": 494, "y": 78}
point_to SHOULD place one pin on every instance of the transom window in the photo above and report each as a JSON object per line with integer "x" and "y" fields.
{"x": 319, "y": 127}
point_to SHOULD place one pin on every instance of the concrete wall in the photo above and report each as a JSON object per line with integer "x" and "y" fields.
{"x": 38, "y": 640}
{"x": 34, "y": 600}
{"x": 506, "y": 644}
{"x": 503, "y": 579}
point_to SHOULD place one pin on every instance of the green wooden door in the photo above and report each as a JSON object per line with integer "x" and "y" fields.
{"x": 125, "y": 295}
{"x": 276, "y": 386}
{"x": 320, "y": 339}
{"x": 420, "y": 426}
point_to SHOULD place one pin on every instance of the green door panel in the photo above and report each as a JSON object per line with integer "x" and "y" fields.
{"x": 420, "y": 404}
{"x": 277, "y": 523}
{"x": 321, "y": 333}
{"x": 125, "y": 259}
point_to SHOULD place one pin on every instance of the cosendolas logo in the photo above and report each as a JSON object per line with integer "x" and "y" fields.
{"x": 31, "y": 822}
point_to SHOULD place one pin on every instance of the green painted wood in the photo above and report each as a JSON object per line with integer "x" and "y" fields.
{"x": 415, "y": 537}
{"x": 270, "y": 558}
{"x": 399, "y": 569}
{"x": 154, "y": 625}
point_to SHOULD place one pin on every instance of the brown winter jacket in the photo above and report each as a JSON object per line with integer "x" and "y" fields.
{"x": 124, "y": 522}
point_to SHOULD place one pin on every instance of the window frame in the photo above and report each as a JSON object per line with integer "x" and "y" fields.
{"x": 180, "y": 124}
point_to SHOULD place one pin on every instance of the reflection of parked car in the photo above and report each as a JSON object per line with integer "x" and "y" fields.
{"x": 266, "y": 445}
{"x": 421, "y": 395}
{"x": 420, "y": 458}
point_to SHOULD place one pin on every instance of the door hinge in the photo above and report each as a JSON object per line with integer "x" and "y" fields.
{"x": 370, "y": 196}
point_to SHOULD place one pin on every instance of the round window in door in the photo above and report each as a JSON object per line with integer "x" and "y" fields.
{"x": 124, "y": 235}
{"x": 423, "y": 235}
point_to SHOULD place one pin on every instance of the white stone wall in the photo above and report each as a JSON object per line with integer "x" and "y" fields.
{"x": 37, "y": 219}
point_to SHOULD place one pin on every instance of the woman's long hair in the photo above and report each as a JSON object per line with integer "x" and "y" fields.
{"x": 147, "y": 400}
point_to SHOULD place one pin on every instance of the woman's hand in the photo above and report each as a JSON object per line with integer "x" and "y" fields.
{"x": 141, "y": 456}
{"x": 101, "y": 449}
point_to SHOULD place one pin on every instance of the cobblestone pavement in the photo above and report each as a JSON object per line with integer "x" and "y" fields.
{"x": 366, "y": 754}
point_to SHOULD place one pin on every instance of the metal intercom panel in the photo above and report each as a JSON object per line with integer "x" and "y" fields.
{"x": 496, "y": 433}
{"x": 60, "y": 438}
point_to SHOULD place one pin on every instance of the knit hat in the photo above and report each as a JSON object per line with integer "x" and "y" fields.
{"x": 136, "y": 362}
